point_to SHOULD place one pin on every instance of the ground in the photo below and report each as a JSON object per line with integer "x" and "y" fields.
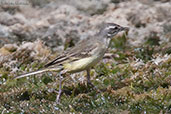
{"x": 133, "y": 77}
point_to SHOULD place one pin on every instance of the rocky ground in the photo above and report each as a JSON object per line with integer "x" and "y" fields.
{"x": 134, "y": 76}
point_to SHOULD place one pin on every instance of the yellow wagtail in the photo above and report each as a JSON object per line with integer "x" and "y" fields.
{"x": 83, "y": 56}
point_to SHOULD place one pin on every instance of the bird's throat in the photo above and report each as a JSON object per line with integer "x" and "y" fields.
{"x": 107, "y": 42}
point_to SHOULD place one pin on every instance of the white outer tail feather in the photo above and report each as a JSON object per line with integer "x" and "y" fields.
{"x": 38, "y": 72}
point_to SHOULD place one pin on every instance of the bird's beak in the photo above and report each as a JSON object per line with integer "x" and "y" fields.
{"x": 125, "y": 29}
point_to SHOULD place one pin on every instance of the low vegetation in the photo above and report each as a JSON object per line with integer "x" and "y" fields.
{"x": 129, "y": 80}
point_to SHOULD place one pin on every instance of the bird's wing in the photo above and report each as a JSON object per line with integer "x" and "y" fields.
{"x": 81, "y": 50}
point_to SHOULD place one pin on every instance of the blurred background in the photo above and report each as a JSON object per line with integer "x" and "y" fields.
{"x": 56, "y": 22}
{"x": 136, "y": 71}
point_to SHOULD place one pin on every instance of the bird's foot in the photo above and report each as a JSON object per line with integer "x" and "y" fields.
{"x": 89, "y": 83}
{"x": 58, "y": 96}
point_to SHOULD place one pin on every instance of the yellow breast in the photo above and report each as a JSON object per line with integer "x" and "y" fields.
{"x": 82, "y": 64}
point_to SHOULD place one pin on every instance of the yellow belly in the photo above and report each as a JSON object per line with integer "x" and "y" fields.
{"x": 82, "y": 64}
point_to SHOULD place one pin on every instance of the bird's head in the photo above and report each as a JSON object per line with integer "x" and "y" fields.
{"x": 109, "y": 30}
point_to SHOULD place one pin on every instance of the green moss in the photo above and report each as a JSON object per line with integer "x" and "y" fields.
{"x": 144, "y": 53}
{"x": 130, "y": 81}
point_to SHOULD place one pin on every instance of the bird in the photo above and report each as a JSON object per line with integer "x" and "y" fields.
{"x": 83, "y": 56}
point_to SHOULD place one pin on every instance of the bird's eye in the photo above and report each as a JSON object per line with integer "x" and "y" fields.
{"x": 116, "y": 28}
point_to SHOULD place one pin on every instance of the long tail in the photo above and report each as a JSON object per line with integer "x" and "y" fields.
{"x": 38, "y": 72}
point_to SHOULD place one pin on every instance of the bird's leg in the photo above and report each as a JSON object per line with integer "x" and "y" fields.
{"x": 88, "y": 77}
{"x": 89, "y": 81}
{"x": 60, "y": 89}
